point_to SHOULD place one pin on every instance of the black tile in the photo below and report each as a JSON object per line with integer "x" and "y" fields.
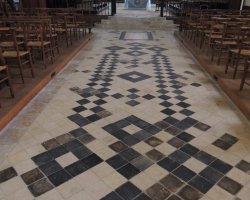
{"x": 174, "y": 197}
{"x": 76, "y": 168}
{"x": 57, "y": 152}
{"x": 179, "y": 156}
{"x": 85, "y": 139}
{"x": 97, "y": 109}
{"x": 78, "y": 132}
{"x": 130, "y": 140}
{"x": 141, "y": 123}
{"x": 79, "y": 120}
{"x": 50, "y": 168}
{"x": 196, "y": 84}
{"x": 104, "y": 113}
{"x": 168, "y": 111}
{"x": 133, "y": 90}
{"x": 184, "y": 173}
{"x": 230, "y": 185}
{"x": 153, "y": 141}
{"x": 83, "y": 101}
{"x": 185, "y": 137}
{"x": 133, "y": 96}
{"x": 152, "y": 129}
{"x": 62, "y": 139}
{"x": 121, "y": 123}
{"x": 129, "y": 154}
{"x": 128, "y": 191}
{"x": 142, "y": 196}
{"x": 155, "y": 155}
{"x": 201, "y": 184}
{"x": 128, "y": 171}
{"x": 211, "y": 174}
{"x": 186, "y": 112}
{"x": 92, "y": 160}
{"x": 111, "y": 128}
{"x": 132, "y": 103}
{"x": 7, "y": 174}
{"x": 171, "y": 182}
{"x": 221, "y": 144}
{"x": 59, "y": 177}
{"x": 81, "y": 152}
{"x": 148, "y": 96}
{"x": 173, "y": 130}
{"x": 134, "y": 76}
{"x": 93, "y": 117}
{"x": 176, "y": 142}
{"x": 120, "y": 134}
{"x": 141, "y": 163}
{"x": 221, "y": 166}
{"x": 157, "y": 192}
{"x": 118, "y": 146}
{"x": 100, "y": 102}
{"x": 117, "y": 96}
{"x": 42, "y": 158}
{"x": 166, "y": 104}
{"x": 50, "y": 144}
{"x": 202, "y": 126}
{"x": 142, "y": 135}
{"x": 189, "y": 149}
{"x": 171, "y": 120}
{"x": 40, "y": 187}
{"x": 32, "y": 176}
{"x": 168, "y": 164}
{"x": 116, "y": 162}
{"x": 79, "y": 109}
{"x": 74, "y": 144}
{"x": 112, "y": 196}
{"x": 244, "y": 166}
{"x": 204, "y": 157}
{"x": 162, "y": 124}
{"x": 183, "y": 104}
{"x": 229, "y": 138}
{"x": 164, "y": 97}
{"x": 189, "y": 193}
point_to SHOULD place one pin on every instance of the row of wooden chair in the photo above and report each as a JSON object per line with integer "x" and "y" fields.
{"x": 226, "y": 35}
{"x": 26, "y": 40}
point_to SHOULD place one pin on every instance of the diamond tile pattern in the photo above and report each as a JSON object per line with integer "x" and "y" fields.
{"x": 131, "y": 132}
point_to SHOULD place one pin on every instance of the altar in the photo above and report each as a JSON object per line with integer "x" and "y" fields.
{"x": 138, "y": 4}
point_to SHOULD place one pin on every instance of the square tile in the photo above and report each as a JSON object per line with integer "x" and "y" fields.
{"x": 184, "y": 173}
{"x": 230, "y": 185}
{"x": 141, "y": 163}
{"x": 117, "y": 161}
{"x": 118, "y": 146}
{"x": 50, "y": 167}
{"x": 128, "y": 171}
{"x": 179, "y": 156}
{"x": 244, "y": 166}
{"x": 153, "y": 141}
{"x": 59, "y": 178}
{"x": 32, "y": 176}
{"x": 201, "y": 184}
{"x": 7, "y": 174}
{"x": 66, "y": 159}
{"x": 155, "y": 155}
{"x": 221, "y": 166}
{"x": 134, "y": 76}
{"x": 40, "y": 187}
{"x": 172, "y": 183}
{"x": 128, "y": 191}
{"x": 168, "y": 164}
{"x": 189, "y": 193}
{"x": 157, "y": 192}
{"x": 211, "y": 174}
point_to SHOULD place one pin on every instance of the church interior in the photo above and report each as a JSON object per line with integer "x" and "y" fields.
{"x": 124, "y": 99}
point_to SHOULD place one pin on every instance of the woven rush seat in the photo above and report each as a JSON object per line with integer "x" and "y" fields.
{"x": 13, "y": 54}
{"x": 37, "y": 43}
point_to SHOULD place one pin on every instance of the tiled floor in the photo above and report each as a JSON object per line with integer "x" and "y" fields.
{"x": 128, "y": 119}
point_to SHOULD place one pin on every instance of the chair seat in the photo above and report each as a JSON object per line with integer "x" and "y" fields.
{"x": 226, "y": 42}
{"x": 37, "y": 43}
{"x": 243, "y": 52}
{"x": 52, "y": 35}
{"x": 13, "y": 54}
{"x": 9, "y": 44}
{"x": 60, "y": 30}
{"x": 214, "y": 36}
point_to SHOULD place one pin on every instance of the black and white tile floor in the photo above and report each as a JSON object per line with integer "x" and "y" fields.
{"x": 134, "y": 120}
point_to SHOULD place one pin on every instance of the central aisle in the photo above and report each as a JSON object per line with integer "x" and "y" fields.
{"x": 132, "y": 117}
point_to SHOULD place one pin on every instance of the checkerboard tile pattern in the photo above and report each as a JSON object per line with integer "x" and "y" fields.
{"x": 136, "y": 132}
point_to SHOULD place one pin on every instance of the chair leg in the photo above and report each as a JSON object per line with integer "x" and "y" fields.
{"x": 236, "y": 67}
{"x": 31, "y": 66}
{"x": 228, "y": 61}
{"x": 246, "y": 67}
{"x": 20, "y": 68}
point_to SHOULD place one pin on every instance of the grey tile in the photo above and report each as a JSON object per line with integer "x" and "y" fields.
{"x": 155, "y": 155}
{"x": 230, "y": 185}
{"x": 189, "y": 193}
{"x": 7, "y": 174}
{"x": 171, "y": 182}
{"x": 244, "y": 166}
{"x": 157, "y": 192}
{"x": 40, "y": 187}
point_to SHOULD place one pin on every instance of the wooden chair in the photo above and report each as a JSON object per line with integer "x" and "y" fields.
{"x": 245, "y": 73}
{"x": 241, "y": 52}
{"x": 39, "y": 42}
{"x": 5, "y": 80}
{"x": 15, "y": 52}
